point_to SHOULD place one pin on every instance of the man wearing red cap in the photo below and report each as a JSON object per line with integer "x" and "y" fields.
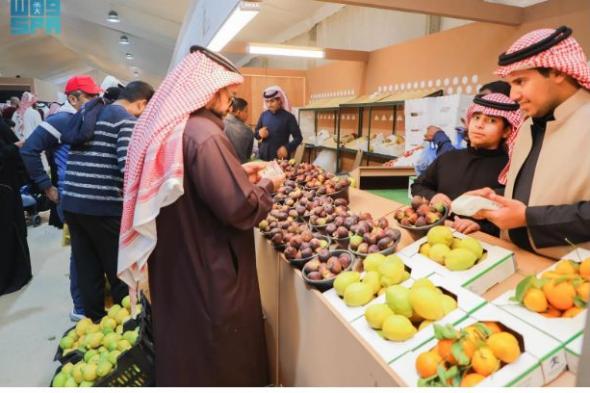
{"x": 46, "y": 138}
{"x": 547, "y": 198}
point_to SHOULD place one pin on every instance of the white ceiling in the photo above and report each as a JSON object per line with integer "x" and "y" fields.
{"x": 90, "y": 44}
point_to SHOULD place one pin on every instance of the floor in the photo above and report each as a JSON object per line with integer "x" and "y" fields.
{"x": 33, "y": 319}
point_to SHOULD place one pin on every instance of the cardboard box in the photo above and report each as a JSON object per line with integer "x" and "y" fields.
{"x": 573, "y": 352}
{"x": 467, "y": 302}
{"x": 498, "y": 265}
{"x": 352, "y": 313}
{"x": 562, "y": 329}
{"x": 541, "y": 362}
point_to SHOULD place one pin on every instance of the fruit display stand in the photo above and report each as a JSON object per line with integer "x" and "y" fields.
{"x": 309, "y": 342}
{"x": 563, "y": 329}
{"x": 541, "y": 361}
{"x": 498, "y": 264}
{"x": 389, "y": 351}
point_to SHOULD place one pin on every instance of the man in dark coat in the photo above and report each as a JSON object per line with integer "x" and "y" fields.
{"x": 189, "y": 212}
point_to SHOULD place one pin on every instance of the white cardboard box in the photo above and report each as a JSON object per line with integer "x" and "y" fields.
{"x": 573, "y": 352}
{"x": 563, "y": 329}
{"x": 498, "y": 265}
{"x": 467, "y": 302}
{"x": 352, "y": 313}
{"x": 541, "y": 362}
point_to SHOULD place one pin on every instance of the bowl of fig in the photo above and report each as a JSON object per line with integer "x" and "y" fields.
{"x": 288, "y": 230}
{"x": 321, "y": 271}
{"x": 304, "y": 247}
{"x": 421, "y": 215}
{"x": 373, "y": 236}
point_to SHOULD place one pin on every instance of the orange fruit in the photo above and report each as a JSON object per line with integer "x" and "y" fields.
{"x": 585, "y": 269}
{"x": 504, "y": 346}
{"x": 471, "y": 380}
{"x": 535, "y": 300}
{"x": 445, "y": 351}
{"x": 468, "y": 347}
{"x": 572, "y": 312}
{"x": 473, "y": 334}
{"x": 566, "y": 267}
{"x": 551, "y": 312}
{"x": 484, "y": 362}
{"x": 493, "y": 326}
{"x": 584, "y": 291}
{"x": 560, "y": 296}
{"x": 427, "y": 362}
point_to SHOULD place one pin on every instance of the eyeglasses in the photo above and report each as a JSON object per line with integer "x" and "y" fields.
{"x": 216, "y": 57}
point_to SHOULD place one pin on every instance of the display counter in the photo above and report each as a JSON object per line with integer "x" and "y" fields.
{"x": 310, "y": 344}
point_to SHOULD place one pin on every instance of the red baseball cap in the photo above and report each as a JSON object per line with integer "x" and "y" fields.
{"x": 84, "y": 83}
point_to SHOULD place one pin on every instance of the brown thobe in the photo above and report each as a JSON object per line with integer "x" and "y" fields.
{"x": 207, "y": 315}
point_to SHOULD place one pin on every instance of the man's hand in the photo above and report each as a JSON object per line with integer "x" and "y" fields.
{"x": 253, "y": 169}
{"x": 282, "y": 153}
{"x": 485, "y": 193}
{"x": 52, "y": 194}
{"x": 465, "y": 225}
{"x": 19, "y": 144}
{"x": 441, "y": 198}
{"x": 511, "y": 214}
{"x": 263, "y": 133}
{"x": 430, "y": 131}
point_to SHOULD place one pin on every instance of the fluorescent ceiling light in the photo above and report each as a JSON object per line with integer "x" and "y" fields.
{"x": 238, "y": 19}
{"x": 285, "y": 50}
{"x": 113, "y": 17}
{"x": 124, "y": 40}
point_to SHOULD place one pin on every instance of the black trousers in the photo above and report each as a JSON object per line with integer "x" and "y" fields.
{"x": 95, "y": 245}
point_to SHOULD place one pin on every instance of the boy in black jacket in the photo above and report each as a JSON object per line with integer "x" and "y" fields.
{"x": 492, "y": 122}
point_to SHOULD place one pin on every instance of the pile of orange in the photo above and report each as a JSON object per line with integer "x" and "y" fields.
{"x": 466, "y": 357}
{"x": 559, "y": 293}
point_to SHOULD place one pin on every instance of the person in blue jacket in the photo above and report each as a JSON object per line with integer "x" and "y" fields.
{"x": 46, "y": 138}
{"x": 276, "y": 127}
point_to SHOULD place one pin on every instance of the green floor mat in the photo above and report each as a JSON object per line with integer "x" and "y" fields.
{"x": 400, "y": 196}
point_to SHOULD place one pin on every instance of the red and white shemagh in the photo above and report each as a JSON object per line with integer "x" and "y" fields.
{"x": 514, "y": 118}
{"x": 282, "y": 95}
{"x": 27, "y": 101}
{"x": 155, "y": 163}
{"x": 567, "y": 56}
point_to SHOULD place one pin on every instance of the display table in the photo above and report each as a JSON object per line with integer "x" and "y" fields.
{"x": 308, "y": 341}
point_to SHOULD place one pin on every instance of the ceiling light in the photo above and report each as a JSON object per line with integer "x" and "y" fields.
{"x": 285, "y": 50}
{"x": 129, "y": 56}
{"x": 124, "y": 40}
{"x": 113, "y": 17}
{"x": 238, "y": 19}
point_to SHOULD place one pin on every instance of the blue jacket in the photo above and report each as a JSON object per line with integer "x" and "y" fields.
{"x": 46, "y": 138}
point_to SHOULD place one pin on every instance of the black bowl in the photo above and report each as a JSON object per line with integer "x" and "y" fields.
{"x": 324, "y": 285}
{"x": 418, "y": 232}
{"x": 299, "y": 263}
{"x": 387, "y": 251}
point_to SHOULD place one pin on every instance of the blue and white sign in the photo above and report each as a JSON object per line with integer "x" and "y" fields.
{"x": 30, "y": 16}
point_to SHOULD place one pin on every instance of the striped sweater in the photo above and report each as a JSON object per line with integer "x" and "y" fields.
{"x": 93, "y": 183}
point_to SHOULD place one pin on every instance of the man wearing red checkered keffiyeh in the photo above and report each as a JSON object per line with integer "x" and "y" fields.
{"x": 492, "y": 121}
{"x": 189, "y": 209}
{"x": 546, "y": 203}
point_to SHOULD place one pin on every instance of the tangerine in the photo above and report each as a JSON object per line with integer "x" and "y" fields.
{"x": 572, "y": 312}
{"x": 493, "y": 326}
{"x": 444, "y": 348}
{"x": 584, "y": 291}
{"x": 585, "y": 269}
{"x": 535, "y": 300}
{"x": 560, "y": 296}
{"x": 566, "y": 267}
{"x": 427, "y": 362}
{"x": 471, "y": 380}
{"x": 504, "y": 346}
{"x": 484, "y": 361}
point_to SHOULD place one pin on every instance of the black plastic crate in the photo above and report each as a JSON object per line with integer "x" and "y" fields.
{"x": 71, "y": 357}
